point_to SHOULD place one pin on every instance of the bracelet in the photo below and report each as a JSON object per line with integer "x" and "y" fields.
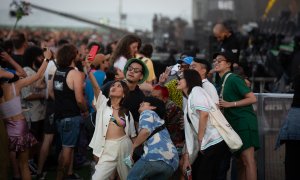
{"x": 234, "y": 104}
{"x": 47, "y": 60}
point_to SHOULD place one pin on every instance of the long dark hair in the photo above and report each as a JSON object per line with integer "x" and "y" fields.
{"x": 123, "y": 110}
{"x": 123, "y": 47}
{"x": 30, "y": 56}
{"x": 192, "y": 79}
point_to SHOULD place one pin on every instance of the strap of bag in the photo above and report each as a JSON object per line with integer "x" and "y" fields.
{"x": 189, "y": 120}
{"x": 223, "y": 84}
{"x": 156, "y": 130}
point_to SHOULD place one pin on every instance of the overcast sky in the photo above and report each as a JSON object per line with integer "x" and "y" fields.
{"x": 136, "y": 10}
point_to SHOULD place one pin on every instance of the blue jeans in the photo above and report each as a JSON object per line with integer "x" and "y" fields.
{"x": 157, "y": 170}
{"x": 68, "y": 130}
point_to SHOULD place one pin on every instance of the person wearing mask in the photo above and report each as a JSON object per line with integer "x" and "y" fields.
{"x": 236, "y": 99}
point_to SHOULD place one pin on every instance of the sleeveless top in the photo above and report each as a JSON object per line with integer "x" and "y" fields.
{"x": 65, "y": 101}
{"x": 12, "y": 107}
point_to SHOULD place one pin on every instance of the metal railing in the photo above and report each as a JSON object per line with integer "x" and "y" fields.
{"x": 271, "y": 110}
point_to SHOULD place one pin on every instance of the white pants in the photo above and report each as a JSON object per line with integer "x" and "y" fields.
{"x": 112, "y": 157}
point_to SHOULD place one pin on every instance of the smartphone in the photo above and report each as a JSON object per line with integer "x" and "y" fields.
{"x": 128, "y": 161}
{"x": 93, "y": 52}
{"x": 188, "y": 174}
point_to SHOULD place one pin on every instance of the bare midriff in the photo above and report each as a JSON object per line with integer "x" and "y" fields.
{"x": 114, "y": 131}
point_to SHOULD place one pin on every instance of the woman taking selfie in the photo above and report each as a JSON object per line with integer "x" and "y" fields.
{"x": 114, "y": 125}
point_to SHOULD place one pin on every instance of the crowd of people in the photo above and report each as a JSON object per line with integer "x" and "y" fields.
{"x": 137, "y": 125}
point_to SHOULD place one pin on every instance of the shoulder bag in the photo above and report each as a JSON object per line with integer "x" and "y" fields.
{"x": 218, "y": 120}
{"x": 139, "y": 151}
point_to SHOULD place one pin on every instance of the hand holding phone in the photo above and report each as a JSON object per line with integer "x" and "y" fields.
{"x": 92, "y": 53}
{"x": 128, "y": 161}
{"x": 188, "y": 174}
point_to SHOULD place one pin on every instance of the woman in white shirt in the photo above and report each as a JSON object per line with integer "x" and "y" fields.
{"x": 114, "y": 125}
{"x": 197, "y": 123}
{"x": 126, "y": 49}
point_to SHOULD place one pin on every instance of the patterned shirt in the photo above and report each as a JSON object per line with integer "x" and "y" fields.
{"x": 175, "y": 123}
{"x": 175, "y": 95}
{"x": 159, "y": 146}
{"x": 36, "y": 108}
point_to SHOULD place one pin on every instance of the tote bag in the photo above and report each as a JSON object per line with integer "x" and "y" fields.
{"x": 231, "y": 138}
{"x": 219, "y": 121}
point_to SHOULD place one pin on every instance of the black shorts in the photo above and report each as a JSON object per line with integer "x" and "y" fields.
{"x": 36, "y": 129}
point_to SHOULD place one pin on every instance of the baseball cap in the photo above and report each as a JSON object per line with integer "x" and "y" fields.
{"x": 227, "y": 54}
{"x": 145, "y": 69}
{"x": 187, "y": 60}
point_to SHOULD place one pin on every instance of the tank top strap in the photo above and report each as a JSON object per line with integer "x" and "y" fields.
{"x": 14, "y": 89}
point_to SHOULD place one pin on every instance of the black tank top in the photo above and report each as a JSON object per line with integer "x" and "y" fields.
{"x": 65, "y": 101}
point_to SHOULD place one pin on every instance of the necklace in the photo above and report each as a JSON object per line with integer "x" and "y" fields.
{"x": 115, "y": 108}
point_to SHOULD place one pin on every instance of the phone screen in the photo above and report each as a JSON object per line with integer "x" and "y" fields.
{"x": 93, "y": 53}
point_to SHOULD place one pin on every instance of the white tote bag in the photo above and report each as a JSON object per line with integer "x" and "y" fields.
{"x": 231, "y": 138}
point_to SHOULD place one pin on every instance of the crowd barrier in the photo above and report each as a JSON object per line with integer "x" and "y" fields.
{"x": 271, "y": 110}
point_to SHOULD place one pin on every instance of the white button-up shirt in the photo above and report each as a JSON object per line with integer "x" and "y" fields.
{"x": 104, "y": 113}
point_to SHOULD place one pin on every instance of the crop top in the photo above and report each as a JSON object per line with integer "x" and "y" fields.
{"x": 120, "y": 124}
{"x": 12, "y": 107}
